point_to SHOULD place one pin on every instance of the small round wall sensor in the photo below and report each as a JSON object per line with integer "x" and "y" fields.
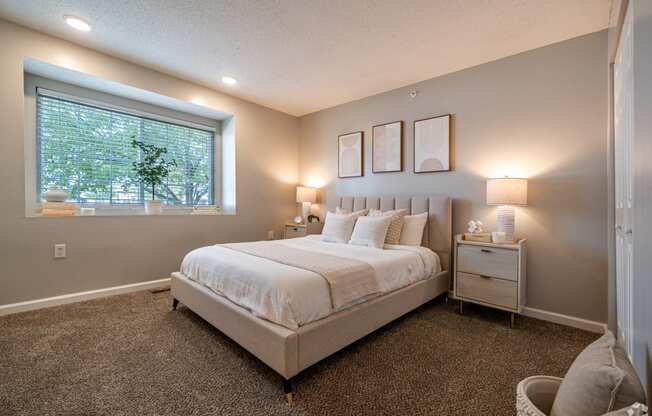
{"x": 413, "y": 93}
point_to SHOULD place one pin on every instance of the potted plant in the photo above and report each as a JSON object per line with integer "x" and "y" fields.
{"x": 151, "y": 170}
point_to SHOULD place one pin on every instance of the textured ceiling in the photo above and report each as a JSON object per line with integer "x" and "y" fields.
{"x": 300, "y": 56}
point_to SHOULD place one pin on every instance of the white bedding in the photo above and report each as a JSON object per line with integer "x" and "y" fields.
{"x": 291, "y": 296}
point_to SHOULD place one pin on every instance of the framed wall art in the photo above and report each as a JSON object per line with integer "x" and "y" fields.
{"x": 350, "y": 151}
{"x": 432, "y": 144}
{"x": 387, "y": 147}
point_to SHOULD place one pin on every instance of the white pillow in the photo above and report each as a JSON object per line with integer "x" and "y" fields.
{"x": 412, "y": 233}
{"x": 395, "y": 226}
{"x": 370, "y": 231}
{"x": 361, "y": 212}
{"x": 338, "y": 227}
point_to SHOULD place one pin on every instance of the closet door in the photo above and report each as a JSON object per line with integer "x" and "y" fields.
{"x": 623, "y": 136}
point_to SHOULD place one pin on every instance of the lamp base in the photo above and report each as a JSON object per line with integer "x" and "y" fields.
{"x": 505, "y": 221}
{"x": 305, "y": 211}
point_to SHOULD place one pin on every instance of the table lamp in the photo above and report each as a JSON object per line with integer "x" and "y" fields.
{"x": 506, "y": 192}
{"x": 306, "y": 196}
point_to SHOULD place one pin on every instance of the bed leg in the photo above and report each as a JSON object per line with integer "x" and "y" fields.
{"x": 175, "y": 302}
{"x": 287, "y": 389}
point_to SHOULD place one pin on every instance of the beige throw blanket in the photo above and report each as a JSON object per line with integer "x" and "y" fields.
{"x": 349, "y": 280}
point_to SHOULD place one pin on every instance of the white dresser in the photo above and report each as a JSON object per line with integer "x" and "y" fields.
{"x": 490, "y": 274}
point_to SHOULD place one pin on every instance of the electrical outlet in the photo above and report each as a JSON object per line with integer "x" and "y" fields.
{"x": 270, "y": 234}
{"x": 59, "y": 251}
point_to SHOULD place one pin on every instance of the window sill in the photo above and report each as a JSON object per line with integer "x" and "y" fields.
{"x": 134, "y": 211}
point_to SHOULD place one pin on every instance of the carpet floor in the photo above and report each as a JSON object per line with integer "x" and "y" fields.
{"x": 132, "y": 355}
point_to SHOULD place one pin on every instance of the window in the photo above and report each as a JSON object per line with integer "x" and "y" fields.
{"x": 85, "y": 149}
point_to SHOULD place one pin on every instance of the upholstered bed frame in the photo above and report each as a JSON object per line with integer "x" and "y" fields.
{"x": 289, "y": 351}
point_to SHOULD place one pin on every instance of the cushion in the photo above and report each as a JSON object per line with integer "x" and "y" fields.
{"x": 412, "y": 232}
{"x": 338, "y": 227}
{"x": 600, "y": 380}
{"x": 395, "y": 226}
{"x": 370, "y": 231}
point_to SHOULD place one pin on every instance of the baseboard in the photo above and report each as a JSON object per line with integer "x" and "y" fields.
{"x": 31, "y": 305}
{"x": 558, "y": 318}
{"x": 567, "y": 320}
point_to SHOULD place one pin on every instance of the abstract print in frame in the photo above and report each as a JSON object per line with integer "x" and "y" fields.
{"x": 350, "y": 148}
{"x": 387, "y": 147}
{"x": 432, "y": 144}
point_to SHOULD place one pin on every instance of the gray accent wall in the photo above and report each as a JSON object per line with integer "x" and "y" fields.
{"x": 111, "y": 251}
{"x": 540, "y": 114}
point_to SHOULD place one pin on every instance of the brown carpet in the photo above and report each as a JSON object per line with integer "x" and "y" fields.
{"x": 132, "y": 355}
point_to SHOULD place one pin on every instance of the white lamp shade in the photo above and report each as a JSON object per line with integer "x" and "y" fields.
{"x": 305, "y": 194}
{"x": 507, "y": 191}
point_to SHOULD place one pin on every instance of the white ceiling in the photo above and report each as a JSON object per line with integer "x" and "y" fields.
{"x": 300, "y": 56}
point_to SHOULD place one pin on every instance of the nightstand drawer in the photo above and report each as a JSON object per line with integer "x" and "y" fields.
{"x": 294, "y": 232}
{"x": 488, "y": 261}
{"x": 497, "y": 292}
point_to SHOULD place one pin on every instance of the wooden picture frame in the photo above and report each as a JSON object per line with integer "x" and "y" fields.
{"x": 387, "y": 147}
{"x": 350, "y": 155}
{"x": 432, "y": 144}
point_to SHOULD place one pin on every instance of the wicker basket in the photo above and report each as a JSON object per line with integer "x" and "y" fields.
{"x": 535, "y": 395}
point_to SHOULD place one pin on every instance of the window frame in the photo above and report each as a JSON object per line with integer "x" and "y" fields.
{"x": 35, "y": 85}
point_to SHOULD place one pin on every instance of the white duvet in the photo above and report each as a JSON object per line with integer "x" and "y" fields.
{"x": 291, "y": 296}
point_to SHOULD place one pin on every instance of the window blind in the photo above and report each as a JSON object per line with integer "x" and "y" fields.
{"x": 86, "y": 151}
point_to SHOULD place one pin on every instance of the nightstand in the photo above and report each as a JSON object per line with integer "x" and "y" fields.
{"x": 490, "y": 274}
{"x": 293, "y": 230}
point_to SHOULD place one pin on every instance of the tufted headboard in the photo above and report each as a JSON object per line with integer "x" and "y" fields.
{"x": 438, "y": 234}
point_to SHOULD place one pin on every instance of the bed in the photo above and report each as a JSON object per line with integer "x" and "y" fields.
{"x": 284, "y": 322}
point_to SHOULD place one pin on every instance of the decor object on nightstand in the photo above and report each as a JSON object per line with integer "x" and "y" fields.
{"x": 474, "y": 226}
{"x": 302, "y": 230}
{"x": 478, "y": 237}
{"x": 506, "y": 192}
{"x": 498, "y": 237}
{"x": 490, "y": 274}
{"x": 151, "y": 170}
{"x": 312, "y": 219}
{"x": 306, "y": 196}
{"x": 476, "y": 232}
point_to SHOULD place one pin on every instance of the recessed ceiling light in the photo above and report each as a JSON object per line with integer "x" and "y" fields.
{"x": 77, "y": 23}
{"x": 229, "y": 80}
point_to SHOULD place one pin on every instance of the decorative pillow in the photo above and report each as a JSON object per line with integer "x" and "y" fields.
{"x": 412, "y": 232}
{"x": 370, "y": 231}
{"x": 338, "y": 227}
{"x": 600, "y": 380}
{"x": 395, "y": 226}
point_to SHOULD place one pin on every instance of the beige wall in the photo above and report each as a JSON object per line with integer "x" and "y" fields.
{"x": 110, "y": 251}
{"x": 542, "y": 114}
